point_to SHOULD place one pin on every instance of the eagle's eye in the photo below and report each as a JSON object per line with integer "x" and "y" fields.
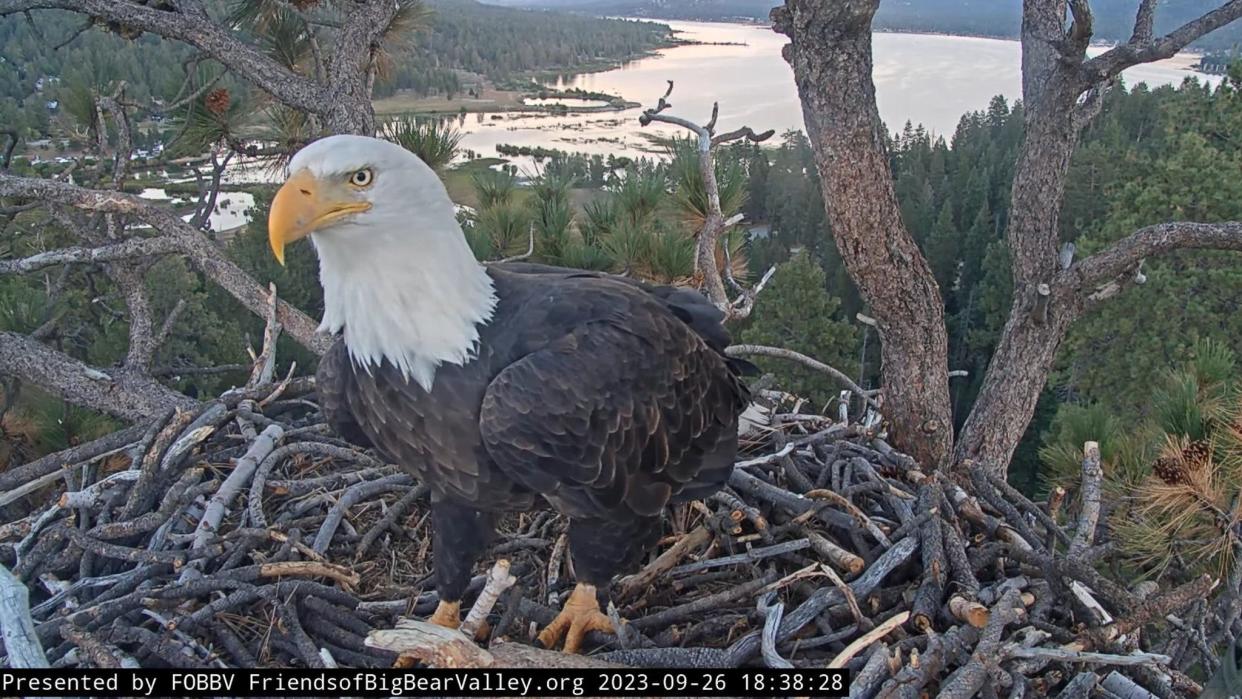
{"x": 362, "y": 178}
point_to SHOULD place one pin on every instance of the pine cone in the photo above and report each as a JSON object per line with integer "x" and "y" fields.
{"x": 1196, "y": 453}
{"x": 1175, "y": 469}
{"x": 217, "y": 101}
{"x": 303, "y": 4}
{"x": 1171, "y": 470}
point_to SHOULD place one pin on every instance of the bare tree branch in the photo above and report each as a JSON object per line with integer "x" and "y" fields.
{"x": 264, "y": 363}
{"x": 169, "y": 322}
{"x": 134, "y": 247}
{"x": 208, "y": 193}
{"x": 744, "y": 132}
{"x": 706, "y": 268}
{"x": 1124, "y": 255}
{"x": 1142, "y": 49}
{"x": 1090, "y": 106}
{"x": 13, "y": 138}
{"x": 21, "y": 641}
{"x": 1144, "y": 22}
{"x": 745, "y": 302}
{"x": 130, "y": 276}
{"x": 127, "y": 394}
{"x": 200, "y": 370}
{"x": 82, "y": 28}
{"x": 201, "y": 252}
{"x": 124, "y": 137}
{"x": 1079, "y": 36}
{"x": 809, "y": 362}
{"x": 530, "y": 250}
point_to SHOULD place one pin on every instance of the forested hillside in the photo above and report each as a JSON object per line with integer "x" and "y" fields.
{"x": 61, "y": 56}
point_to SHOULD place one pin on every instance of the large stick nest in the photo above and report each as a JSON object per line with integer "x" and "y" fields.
{"x": 243, "y": 534}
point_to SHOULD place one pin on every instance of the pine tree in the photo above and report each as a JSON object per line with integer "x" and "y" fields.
{"x": 796, "y": 312}
{"x": 943, "y": 249}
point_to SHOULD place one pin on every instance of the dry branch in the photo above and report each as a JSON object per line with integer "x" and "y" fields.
{"x": 129, "y": 249}
{"x": 21, "y": 643}
{"x": 125, "y": 393}
{"x": 815, "y": 364}
{"x": 1143, "y": 49}
{"x": 1089, "y": 514}
{"x": 706, "y": 269}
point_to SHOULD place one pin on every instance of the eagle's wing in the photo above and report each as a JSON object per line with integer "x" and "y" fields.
{"x": 617, "y": 417}
{"x": 331, "y": 387}
{"x": 691, "y": 307}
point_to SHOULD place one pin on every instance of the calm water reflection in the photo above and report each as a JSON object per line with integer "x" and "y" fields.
{"x": 927, "y": 79}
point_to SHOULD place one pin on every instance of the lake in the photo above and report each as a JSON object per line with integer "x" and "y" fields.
{"x": 927, "y": 79}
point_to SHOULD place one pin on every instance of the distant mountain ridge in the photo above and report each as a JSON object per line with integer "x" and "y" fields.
{"x": 999, "y": 18}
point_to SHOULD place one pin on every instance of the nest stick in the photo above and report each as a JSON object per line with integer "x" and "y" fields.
{"x": 498, "y": 580}
{"x": 21, "y": 643}
{"x": 880, "y": 631}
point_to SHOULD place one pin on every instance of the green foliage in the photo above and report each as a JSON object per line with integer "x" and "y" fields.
{"x": 58, "y": 425}
{"x": 506, "y": 226}
{"x": 1168, "y": 155}
{"x": 1125, "y": 452}
{"x": 690, "y": 192}
{"x": 434, "y": 141}
{"x": 23, "y": 306}
{"x": 1178, "y": 519}
{"x": 553, "y": 216}
{"x": 1192, "y": 400}
{"x": 494, "y": 188}
{"x": 796, "y": 312}
{"x": 199, "y": 125}
{"x": 640, "y": 195}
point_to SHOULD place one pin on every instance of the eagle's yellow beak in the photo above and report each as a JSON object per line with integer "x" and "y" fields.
{"x": 305, "y": 204}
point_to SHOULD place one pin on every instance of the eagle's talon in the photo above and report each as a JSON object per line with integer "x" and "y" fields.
{"x": 447, "y": 614}
{"x": 580, "y": 616}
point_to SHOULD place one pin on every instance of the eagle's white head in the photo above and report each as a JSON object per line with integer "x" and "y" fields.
{"x": 398, "y": 276}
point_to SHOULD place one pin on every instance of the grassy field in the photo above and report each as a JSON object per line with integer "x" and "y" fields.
{"x": 457, "y": 180}
{"x": 490, "y": 100}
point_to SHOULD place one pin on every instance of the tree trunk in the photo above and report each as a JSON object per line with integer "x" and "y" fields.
{"x": 830, "y": 52}
{"x": 351, "y": 68}
{"x": 1022, "y": 361}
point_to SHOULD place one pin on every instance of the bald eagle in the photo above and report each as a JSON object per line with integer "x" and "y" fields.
{"x": 501, "y": 385}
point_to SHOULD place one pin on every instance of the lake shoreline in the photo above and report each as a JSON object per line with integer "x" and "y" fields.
{"x": 756, "y": 22}
{"x": 926, "y": 78}
{"x": 505, "y": 99}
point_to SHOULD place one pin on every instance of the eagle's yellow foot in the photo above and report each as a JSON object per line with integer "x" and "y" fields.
{"x": 580, "y": 616}
{"x": 447, "y": 614}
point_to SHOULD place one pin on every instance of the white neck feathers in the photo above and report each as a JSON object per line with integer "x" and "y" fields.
{"x": 406, "y": 289}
